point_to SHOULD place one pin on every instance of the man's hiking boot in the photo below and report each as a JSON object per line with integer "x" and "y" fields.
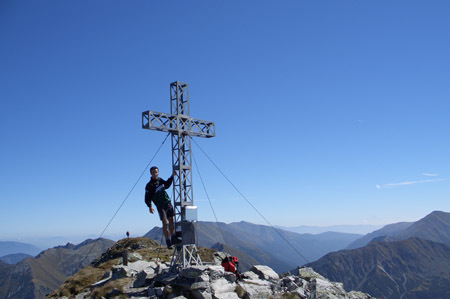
{"x": 169, "y": 243}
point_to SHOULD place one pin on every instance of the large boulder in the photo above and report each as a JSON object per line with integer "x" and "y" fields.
{"x": 265, "y": 272}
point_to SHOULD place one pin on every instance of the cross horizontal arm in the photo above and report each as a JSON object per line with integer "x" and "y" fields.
{"x": 175, "y": 124}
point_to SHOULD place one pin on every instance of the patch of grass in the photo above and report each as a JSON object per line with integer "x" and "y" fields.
{"x": 240, "y": 291}
{"x": 107, "y": 288}
{"x": 79, "y": 282}
{"x": 207, "y": 254}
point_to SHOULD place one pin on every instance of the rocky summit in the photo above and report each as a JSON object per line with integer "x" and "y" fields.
{"x": 145, "y": 274}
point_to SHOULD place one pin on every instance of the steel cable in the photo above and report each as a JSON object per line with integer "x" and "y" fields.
{"x": 209, "y": 200}
{"x": 248, "y": 201}
{"x": 123, "y": 202}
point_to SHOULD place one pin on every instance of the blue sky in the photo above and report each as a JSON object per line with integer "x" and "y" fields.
{"x": 326, "y": 112}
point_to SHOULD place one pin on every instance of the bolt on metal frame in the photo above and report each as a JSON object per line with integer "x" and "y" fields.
{"x": 182, "y": 127}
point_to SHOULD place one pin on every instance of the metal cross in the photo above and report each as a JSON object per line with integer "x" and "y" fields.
{"x": 182, "y": 127}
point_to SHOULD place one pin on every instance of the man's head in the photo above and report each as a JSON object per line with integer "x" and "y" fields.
{"x": 154, "y": 172}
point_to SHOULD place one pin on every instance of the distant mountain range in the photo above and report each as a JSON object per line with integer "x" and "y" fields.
{"x": 388, "y": 230}
{"x": 402, "y": 260}
{"x": 350, "y": 229}
{"x": 433, "y": 227}
{"x": 36, "y": 277}
{"x": 8, "y": 247}
{"x": 14, "y": 258}
{"x": 265, "y": 245}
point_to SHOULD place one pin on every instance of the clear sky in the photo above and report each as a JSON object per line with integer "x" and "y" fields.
{"x": 326, "y": 112}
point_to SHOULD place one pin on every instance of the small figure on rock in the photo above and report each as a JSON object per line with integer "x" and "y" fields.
{"x": 128, "y": 234}
{"x": 155, "y": 192}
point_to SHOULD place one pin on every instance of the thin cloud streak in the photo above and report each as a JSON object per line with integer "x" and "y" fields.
{"x": 408, "y": 183}
{"x": 429, "y": 174}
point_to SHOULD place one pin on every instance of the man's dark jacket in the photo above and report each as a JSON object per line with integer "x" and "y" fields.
{"x": 155, "y": 191}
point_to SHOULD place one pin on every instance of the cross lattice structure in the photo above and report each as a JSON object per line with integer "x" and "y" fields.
{"x": 181, "y": 127}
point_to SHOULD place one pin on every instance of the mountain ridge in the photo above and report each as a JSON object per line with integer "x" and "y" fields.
{"x": 13, "y": 247}
{"x": 407, "y": 260}
{"x": 433, "y": 227}
{"x": 361, "y": 229}
{"x": 35, "y": 277}
{"x": 405, "y": 268}
{"x": 14, "y": 258}
{"x": 265, "y": 245}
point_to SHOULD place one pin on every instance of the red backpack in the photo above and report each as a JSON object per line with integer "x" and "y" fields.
{"x": 231, "y": 264}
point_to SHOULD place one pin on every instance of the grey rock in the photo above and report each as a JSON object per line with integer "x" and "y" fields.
{"x": 212, "y": 282}
{"x": 134, "y": 256}
{"x": 221, "y": 285}
{"x": 201, "y": 294}
{"x": 138, "y": 266}
{"x": 289, "y": 283}
{"x": 256, "y": 288}
{"x": 161, "y": 267}
{"x": 203, "y": 277}
{"x": 83, "y": 295}
{"x": 216, "y": 271}
{"x": 193, "y": 272}
{"x": 265, "y": 272}
{"x": 143, "y": 278}
{"x": 301, "y": 292}
{"x": 151, "y": 292}
{"x": 200, "y": 285}
{"x": 118, "y": 272}
{"x": 325, "y": 289}
{"x": 158, "y": 291}
{"x": 250, "y": 275}
{"x": 219, "y": 257}
{"x": 308, "y": 274}
{"x": 153, "y": 264}
{"x": 230, "y": 277}
{"x": 227, "y": 295}
{"x": 300, "y": 281}
{"x": 184, "y": 284}
{"x": 358, "y": 295}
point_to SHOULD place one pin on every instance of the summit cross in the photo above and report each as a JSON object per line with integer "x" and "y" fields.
{"x": 181, "y": 127}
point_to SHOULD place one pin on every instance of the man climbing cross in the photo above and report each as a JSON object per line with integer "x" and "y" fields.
{"x": 155, "y": 192}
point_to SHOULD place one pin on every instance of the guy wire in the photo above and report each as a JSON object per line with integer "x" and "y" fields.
{"x": 125, "y": 199}
{"x": 209, "y": 200}
{"x": 267, "y": 221}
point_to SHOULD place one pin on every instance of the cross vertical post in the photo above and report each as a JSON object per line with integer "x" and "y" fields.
{"x": 182, "y": 127}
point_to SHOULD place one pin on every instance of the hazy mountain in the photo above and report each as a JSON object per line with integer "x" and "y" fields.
{"x": 208, "y": 235}
{"x": 36, "y": 277}
{"x": 434, "y": 227}
{"x": 9, "y": 247}
{"x": 310, "y": 246}
{"x": 265, "y": 245}
{"x": 350, "y": 229}
{"x": 14, "y": 258}
{"x": 408, "y": 260}
{"x": 413, "y": 268}
{"x": 388, "y": 230}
